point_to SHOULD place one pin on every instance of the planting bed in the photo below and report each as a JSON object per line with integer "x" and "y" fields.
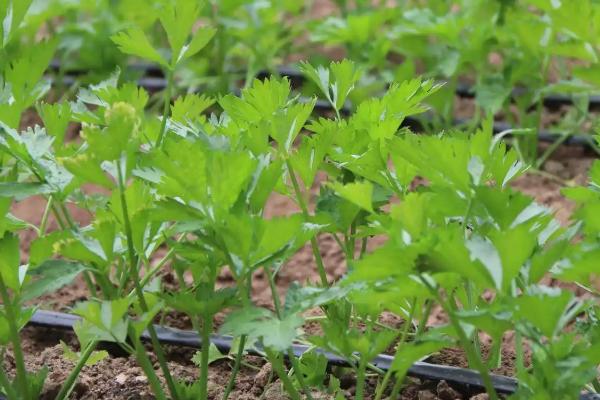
{"x": 176, "y": 224}
{"x": 118, "y": 376}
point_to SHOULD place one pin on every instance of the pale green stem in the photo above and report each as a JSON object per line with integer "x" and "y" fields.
{"x": 166, "y": 106}
{"x": 304, "y": 208}
{"x": 362, "y": 368}
{"x": 5, "y": 383}
{"x": 146, "y": 365}
{"x": 68, "y": 385}
{"x": 13, "y": 330}
{"x": 236, "y": 367}
{"x": 206, "y": 329}
{"x": 472, "y": 356}
{"x": 403, "y": 337}
{"x": 134, "y": 277}
{"x": 280, "y": 371}
{"x": 44, "y": 221}
{"x": 290, "y": 353}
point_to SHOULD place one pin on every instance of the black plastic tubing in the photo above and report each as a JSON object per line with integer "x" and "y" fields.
{"x": 464, "y": 90}
{"x": 459, "y": 376}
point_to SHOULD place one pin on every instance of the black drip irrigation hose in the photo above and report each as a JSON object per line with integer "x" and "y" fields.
{"x": 148, "y": 69}
{"x": 463, "y": 377}
{"x": 151, "y": 84}
{"x": 549, "y": 137}
{"x": 552, "y": 100}
{"x": 464, "y": 90}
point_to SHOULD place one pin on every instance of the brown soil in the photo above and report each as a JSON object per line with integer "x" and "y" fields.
{"x": 121, "y": 378}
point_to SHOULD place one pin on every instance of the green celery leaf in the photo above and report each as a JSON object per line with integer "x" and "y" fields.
{"x": 144, "y": 319}
{"x": 106, "y": 319}
{"x": 177, "y": 179}
{"x": 10, "y": 260}
{"x": 409, "y": 353}
{"x": 11, "y": 15}
{"x": 201, "y": 302}
{"x": 504, "y": 207}
{"x": 259, "y": 101}
{"x": 300, "y": 298}
{"x": 266, "y": 176}
{"x": 359, "y": 193}
{"x": 190, "y": 107}
{"x": 543, "y": 307}
{"x": 412, "y": 213}
{"x": 23, "y": 190}
{"x": 492, "y": 92}
{"x": 50, "y": 276}
{"x": 337, "y": 211}
{"x": 308, "y": 157}
{"x": 24, "y": 74}
{"x": 178, "y": 19}
{"x": 261, "y": 325}
{"x": 56, "y": 119}
{"x": 515, "y": 247}
{"x": 94, "y": 358}
{"x": 452, "y": 254}
{"x": 228, "y": 175}
{"x": 335, "y": 83}
{"x": 134, "y": 41}
{"x": 384, "y": 263}
{"x": 346, "y": 74}
{"x": 493, "y": 322}
{"x": 485, "y": 252}
{"x": 200, "y": 39}
{"x": 88, "y": 169}
{"x": 213, "y": 355}
{"x": 313, "y": 367}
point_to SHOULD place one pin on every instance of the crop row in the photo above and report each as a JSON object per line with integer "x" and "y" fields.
{"x": 418, "y": 123}
{"x": 184, "y": 185}
{"x": 543, "y": 46}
